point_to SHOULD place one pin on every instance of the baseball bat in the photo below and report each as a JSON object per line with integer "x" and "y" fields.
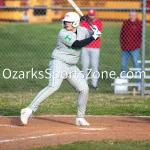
{"x": 75, "y": 7}
{"x": 79, "y": 11}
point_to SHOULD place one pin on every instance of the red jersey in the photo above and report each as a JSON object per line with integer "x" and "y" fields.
{"x": 131, "y": 35}
{"x": 96, "y": 43}
{"x": 148, "y": 3}
{"x": 1, "y": 2}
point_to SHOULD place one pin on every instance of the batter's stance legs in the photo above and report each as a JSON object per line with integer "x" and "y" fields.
{"x": 76, "y": 79}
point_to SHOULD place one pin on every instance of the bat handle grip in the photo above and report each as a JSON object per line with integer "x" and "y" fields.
{"x": 93, "y": 27}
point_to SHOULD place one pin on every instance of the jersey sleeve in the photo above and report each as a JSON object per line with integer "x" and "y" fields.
{"x": 67, "y": 38}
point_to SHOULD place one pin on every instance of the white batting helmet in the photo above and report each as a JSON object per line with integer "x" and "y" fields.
{"x": 72, "y": 17}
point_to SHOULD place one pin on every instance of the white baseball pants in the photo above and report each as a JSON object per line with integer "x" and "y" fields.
{"x": 91, "y": 56}
{"x": 58, "y": 72}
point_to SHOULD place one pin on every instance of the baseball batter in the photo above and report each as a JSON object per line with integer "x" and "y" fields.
{"x": 65, "y": 56}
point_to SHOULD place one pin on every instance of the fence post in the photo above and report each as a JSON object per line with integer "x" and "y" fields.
{"x": 143, "y": 45}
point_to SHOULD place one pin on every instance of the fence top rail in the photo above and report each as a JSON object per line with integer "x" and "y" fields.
{"x": 71, "y": 8}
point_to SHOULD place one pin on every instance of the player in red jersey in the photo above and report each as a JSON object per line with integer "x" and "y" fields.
{"x": 91, "y": 52}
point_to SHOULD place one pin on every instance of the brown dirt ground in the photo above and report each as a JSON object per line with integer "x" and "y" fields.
{"x": 52, "y": 130}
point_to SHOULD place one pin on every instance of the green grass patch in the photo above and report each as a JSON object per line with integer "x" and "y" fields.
{"x": 27, "y": 46}
{"x": 101, "y": 145}
{"x": 65, "y": 103}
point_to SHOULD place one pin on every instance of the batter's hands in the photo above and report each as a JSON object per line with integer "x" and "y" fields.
{"x": 83, "y": 18}
{"x": 96, "y": 34}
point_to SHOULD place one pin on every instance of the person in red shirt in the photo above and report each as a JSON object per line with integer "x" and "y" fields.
{"x": 148, "y": 3}
{"x": 1, "y": 3}
{"x": 91, "y": 53}
{"x": 130, "y": 41}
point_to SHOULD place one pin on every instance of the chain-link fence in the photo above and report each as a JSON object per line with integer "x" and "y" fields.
{"x": 28, "y": 35}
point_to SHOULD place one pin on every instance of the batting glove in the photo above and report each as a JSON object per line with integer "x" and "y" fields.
{"x": 83, "y": 18}
{"x": 97, "y": 34}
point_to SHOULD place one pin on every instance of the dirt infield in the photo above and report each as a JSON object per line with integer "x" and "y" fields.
{"x": 52, "y": 130}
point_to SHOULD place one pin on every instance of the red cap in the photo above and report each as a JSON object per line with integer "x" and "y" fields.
{"x": 92, "y": 12}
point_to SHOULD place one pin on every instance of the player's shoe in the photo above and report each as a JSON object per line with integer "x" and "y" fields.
{"x": 25, "y": 114}
{"x": 81, "y": 122}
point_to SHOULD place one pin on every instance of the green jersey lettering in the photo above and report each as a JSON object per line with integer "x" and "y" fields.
{"x": 68, "y": 38}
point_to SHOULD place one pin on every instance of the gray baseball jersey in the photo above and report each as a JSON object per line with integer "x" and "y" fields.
{"x": 63, "y": 50}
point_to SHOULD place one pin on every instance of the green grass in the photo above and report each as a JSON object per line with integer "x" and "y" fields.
{"x": 101, "y": 145}
{"x": 26, "y": 46}
{"x": 65, "y": 103}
